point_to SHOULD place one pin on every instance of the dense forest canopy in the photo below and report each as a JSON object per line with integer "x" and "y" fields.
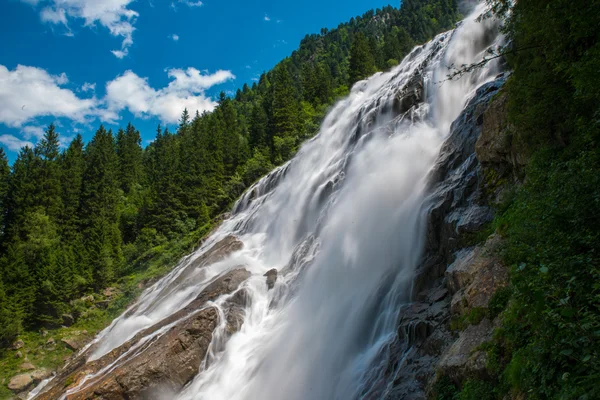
{"x": 74, "y": 221}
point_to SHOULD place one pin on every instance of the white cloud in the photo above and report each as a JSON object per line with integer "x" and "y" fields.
{"x": 30, "y": 92}
{"x": 174, "y": 37}
{"x": 33, "y": 131}
{"x": 88, "y": 87}
{"x": 13, "y": 143}
{"x": 267, "y": 18}
{"x": 54, "y": 15}
{"x": 112, "y": 14}
{"x": 189, "y": 3}
{"x": 248, "y": 67}
{"x": 186, "y": 90}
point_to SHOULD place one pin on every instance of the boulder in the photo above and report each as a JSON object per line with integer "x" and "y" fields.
{"x": 463, "y": 359}
{"x": 26, "y": 366}
{"x": 110, "y": 292}
{"x": 18, "y": 354}
{"x": 20, "y": 382}
{"x": 67, "y": 319}
{"x": 40, "y": 374}
{"x": 71, "y": 343}
{"x": 271, "y": 278}
{"x": 18, "y": 344}
{"x": 476, "y": 275}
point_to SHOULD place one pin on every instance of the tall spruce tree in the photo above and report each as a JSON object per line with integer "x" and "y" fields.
{"x": 100, "y": 210}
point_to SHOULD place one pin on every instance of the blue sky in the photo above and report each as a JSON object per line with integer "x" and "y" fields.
{"x": 79, "y": 63}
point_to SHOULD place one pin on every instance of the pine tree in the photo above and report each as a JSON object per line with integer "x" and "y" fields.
{"x": 100, "y": 210}
{"x": 4, "y": 187}
{"x": 72, "y": 165}
{"x": 362, "y": 63}
{"x": 48, "y": 187}
{"x": 129, "y": 154}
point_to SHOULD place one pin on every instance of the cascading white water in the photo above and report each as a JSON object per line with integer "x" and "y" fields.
{"x": 343, "y": 224}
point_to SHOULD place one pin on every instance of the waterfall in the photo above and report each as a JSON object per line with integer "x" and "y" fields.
{"x": 342, "y": 222}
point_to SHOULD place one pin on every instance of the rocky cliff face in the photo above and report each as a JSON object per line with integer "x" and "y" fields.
{"x": 441, "y": 332}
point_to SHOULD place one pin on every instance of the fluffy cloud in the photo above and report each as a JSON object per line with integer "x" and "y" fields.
{"x": 267, "y": 18}
{"x": 33, "y": 131}
{"x": 174, "y": 37}
{"x": 186, "y": 90}
{"x": 112, "y": 14}
{"x": 88, "y": 87}
{"x": 13, "y": 143}
{"x": 189, "y": 3}
{"x": 30, "y": 92}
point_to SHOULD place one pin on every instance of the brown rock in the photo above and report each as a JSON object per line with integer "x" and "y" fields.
{"x": 26, "y": 366}
{"x": 463, "y": 359}
{"x": 40, "y": 374}
{"x": 271, "y": 278}
{"x": 18, "y": 344}
{"x": 163, "y": 367}
{"x": 71, "y": 343}
{"x": 110, "y": 292}
{"x": 20, "y": 382}
{"x": 18, "y": 354}
{"x": 476, "y": 275}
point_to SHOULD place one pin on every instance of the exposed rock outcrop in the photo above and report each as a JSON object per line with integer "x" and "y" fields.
{"x": 173, "y": 355}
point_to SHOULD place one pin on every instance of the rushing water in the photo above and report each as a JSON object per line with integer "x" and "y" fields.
{"x": 343, "y": 223}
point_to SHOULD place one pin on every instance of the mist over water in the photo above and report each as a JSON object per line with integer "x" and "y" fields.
{"x": 343, "y": 223}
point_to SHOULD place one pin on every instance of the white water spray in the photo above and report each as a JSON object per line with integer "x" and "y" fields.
{"x": 343, "y": 223}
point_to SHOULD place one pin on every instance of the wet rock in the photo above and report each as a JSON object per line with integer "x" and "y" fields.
{"x": 26, "y": 366}
{"x": 18, "y": 345}
{"x": 271, "y": 278}
{"x": 167, "y": 363}
{"x": 67, "y": 319}
{"x": 20, "y": 382}
{"x": 410, "y": 95}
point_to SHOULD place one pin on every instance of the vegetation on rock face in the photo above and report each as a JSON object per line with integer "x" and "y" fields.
{"x": 109, "y": 212}
{"x": 548, "y": 346}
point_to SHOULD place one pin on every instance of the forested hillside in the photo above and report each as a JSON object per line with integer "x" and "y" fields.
{"x": 77, "y": 220}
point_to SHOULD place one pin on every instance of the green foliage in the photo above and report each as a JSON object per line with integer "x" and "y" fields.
{"x": 362, "y": 61}
{"x": 474, "y": 389}
{"x": 444, "y": 389}
{"x": 548, "y": 346}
